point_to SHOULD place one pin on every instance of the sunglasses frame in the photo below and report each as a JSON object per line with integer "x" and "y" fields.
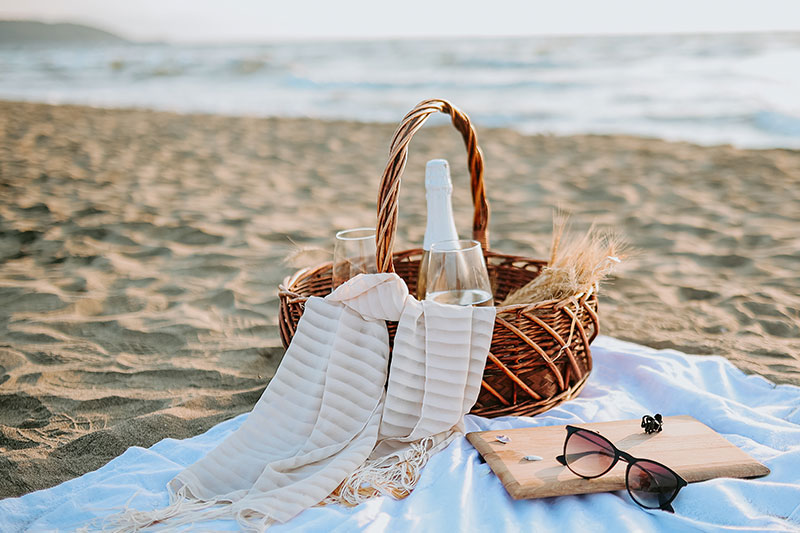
{"x": 620, "y": 455}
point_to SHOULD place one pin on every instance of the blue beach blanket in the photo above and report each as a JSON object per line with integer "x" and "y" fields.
{"x": 457, "y": 492}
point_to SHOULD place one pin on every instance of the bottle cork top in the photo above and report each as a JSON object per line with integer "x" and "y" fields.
{"x": 437, "y": 174}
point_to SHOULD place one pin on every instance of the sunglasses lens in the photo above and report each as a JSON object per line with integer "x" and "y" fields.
{"x": 651, "y": 485}
{"x": 588, "y": 454}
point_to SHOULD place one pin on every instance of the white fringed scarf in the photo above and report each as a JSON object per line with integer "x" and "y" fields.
{"x": 328, "y": 428}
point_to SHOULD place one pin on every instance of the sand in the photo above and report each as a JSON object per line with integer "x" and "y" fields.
{"x": 140, "y": 253}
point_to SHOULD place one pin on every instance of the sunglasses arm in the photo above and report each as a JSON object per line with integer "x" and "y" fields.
{"x": 561, "y": 459}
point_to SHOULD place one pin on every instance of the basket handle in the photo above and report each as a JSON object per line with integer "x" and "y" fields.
{"x": 398, "y": 156}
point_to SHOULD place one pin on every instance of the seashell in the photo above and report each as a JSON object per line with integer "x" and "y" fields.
{"x": 502, "y": 439}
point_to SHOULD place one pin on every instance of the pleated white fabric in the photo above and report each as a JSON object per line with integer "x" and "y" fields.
{"x": 328, "y": 416}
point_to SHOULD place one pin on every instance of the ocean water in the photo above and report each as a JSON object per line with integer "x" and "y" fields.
{"x": 742, "y": 89}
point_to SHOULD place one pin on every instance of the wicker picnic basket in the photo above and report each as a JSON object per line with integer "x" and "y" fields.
{"x": 539, "y": 355}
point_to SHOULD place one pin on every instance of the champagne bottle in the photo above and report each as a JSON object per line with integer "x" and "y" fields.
{"x": 440, "y": 226}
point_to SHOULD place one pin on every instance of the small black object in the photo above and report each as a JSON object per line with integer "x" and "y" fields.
{"x": 652, "y": 424}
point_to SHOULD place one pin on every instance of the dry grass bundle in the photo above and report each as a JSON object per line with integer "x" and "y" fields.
{"x": 306, "y": 256}
{"x": 577, "y": 264}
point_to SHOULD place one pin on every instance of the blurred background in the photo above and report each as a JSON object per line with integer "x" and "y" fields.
{"x": 708, "y": 72}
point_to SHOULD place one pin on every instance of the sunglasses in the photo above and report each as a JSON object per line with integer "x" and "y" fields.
{"x": 650, "y": 484}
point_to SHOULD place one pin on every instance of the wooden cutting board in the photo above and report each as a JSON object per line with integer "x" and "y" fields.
{"x": 689, "y": 447}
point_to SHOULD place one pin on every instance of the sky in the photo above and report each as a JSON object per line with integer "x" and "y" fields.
{"x": 265, "y": 20}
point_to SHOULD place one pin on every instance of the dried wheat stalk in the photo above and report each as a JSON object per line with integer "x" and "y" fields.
{"x": 578, "y": 263}
{"x": 306, "y": 256}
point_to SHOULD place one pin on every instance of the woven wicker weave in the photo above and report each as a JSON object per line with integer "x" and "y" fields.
{"x": 540, "y": 353}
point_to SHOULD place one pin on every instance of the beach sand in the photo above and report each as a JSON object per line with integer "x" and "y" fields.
{"x": 140, "y": 254}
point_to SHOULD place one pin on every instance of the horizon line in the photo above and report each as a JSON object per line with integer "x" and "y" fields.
{"x": 400, "y": 37}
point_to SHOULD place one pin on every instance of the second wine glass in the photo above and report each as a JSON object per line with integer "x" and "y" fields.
{"x": 353, "y": 254}
{"x": 457, "y": 274}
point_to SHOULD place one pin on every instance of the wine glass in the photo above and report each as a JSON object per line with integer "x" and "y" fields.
{"x": 354, "y": 253}
{"x": 457, "y": 274}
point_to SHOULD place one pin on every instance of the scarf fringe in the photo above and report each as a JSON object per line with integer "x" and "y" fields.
{"x": 181, "y": 511}
{"x": 253, "y": 522}
{"x": 394, "y": 475}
